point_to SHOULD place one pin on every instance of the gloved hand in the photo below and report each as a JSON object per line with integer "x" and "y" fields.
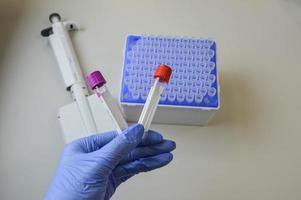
{"x": 93, "y": 167}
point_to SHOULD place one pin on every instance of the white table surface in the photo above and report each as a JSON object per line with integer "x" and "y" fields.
{"x": 251, "y": 150}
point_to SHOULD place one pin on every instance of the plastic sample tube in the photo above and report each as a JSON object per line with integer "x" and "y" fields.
{"x": 161, "y": 76}
{"x": 98, "y": 84}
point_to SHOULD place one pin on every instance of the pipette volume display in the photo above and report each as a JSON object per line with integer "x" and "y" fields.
{"x": 161, "y": 76}
{"x": 97, "y": 83}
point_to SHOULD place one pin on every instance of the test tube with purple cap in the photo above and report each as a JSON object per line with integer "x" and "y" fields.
{"x": 97, "y": 83}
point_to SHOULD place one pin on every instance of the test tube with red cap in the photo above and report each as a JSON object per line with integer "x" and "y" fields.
{"x": 97, "y": 83}
{"x": 161, "y": 76}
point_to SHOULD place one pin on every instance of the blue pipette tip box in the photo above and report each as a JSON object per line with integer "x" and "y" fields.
{"x": 194, "y": 81}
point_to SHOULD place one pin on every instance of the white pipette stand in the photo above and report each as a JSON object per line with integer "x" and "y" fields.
{"x": 161, "y": 76}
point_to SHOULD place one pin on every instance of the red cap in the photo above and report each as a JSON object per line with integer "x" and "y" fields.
{"x": 163, "y": 72}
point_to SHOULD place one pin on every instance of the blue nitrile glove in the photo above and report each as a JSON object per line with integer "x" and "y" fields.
{"x": 93, "y": 167}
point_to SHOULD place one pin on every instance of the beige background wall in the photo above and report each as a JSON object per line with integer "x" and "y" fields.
{"x": 251, "y": 150}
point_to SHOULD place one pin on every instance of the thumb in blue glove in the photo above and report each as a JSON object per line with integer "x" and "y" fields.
{"x": 93, "y": 167}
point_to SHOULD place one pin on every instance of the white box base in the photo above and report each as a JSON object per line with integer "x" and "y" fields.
{"x": 172, "y": 114}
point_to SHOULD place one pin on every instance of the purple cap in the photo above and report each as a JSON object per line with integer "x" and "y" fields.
{"x": 95, "y": 79}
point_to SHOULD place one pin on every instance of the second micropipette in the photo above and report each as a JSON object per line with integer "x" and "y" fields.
{"x": 97, "y": 82}
{"x": 161, "y": 76}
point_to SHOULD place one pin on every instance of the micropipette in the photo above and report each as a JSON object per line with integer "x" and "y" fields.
{"x": 161, "y": 76}
{"x": 97, "y": 83}
{"x": 58, "y": 34}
